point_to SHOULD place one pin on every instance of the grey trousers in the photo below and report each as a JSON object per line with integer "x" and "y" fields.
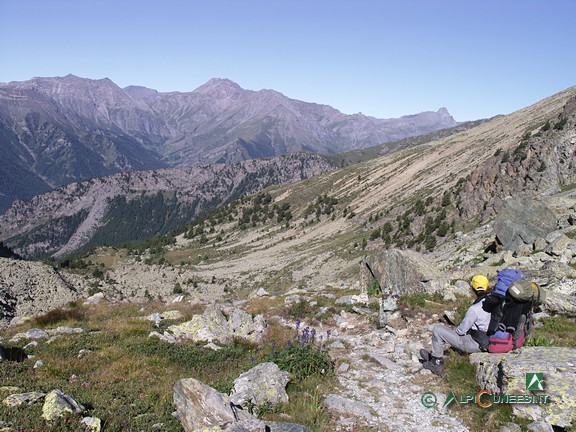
{"x": 441, "y": 335}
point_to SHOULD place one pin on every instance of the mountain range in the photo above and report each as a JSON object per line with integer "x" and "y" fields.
{"x": 54, "y": 131}
{"x": 422, "y": 188}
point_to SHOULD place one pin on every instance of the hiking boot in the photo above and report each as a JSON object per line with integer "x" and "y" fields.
{"x": 435, "y": 365}
{"x": 425, "y": 355}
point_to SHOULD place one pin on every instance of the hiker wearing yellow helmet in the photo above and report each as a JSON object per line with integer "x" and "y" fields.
{"x": 470, "y": 336}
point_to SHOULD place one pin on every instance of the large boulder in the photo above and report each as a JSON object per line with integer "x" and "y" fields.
{"x": 401, "y": 272}
{"x": 522, "y": 221}
{"x": 218, "y": 324}
{"x": 200, "y": 406}
{"x": 57, "y": 403}
{"x": 508, "y": 374}
{"x": 561, "y": 297}
{"x": 261, "y": 385}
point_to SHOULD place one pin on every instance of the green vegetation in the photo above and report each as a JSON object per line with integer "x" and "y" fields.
{"x": 127, "y": 377}
{"x": 57, "y": 231}
{"x": 374, "y": 290}
{"x": 139, "y": 218}
{"x": 555, "y": 331}
{"x": 520, "y": 153}
{"x": 561, "y": 123}
{"x": 460, "y": 378}
{"x": 324, "y": 205}
{"x": 304, "y": 356}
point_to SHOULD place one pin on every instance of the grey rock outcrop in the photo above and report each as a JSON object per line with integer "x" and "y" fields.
{"x": 561, "y": 297}
{"x": 522, "y": 221}
{"x": 401, "y": 272}
{"x": 507, "y": 374}
{"x": 263, "y": 384}
{"x": 200, "y": 406}
{"x": 217, "y": 324}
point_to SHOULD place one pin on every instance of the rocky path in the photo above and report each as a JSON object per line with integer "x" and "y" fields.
{"x": 381, "y": 381}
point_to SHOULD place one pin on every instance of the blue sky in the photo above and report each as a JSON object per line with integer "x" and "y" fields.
{"x": 382, "y": 58}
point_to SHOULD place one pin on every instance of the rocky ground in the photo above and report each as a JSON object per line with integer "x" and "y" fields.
{"x": 380, "y": 381}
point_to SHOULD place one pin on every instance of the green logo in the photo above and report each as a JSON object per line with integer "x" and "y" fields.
{"x": 535, "y": 381}
{"x": 451, "y": 397}
{"x": 429, "y": 400}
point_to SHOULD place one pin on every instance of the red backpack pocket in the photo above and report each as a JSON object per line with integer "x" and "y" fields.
{"x": 501, "y": 344}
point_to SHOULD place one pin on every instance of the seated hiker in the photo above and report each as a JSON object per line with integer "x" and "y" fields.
{"x": 470, "y": 336}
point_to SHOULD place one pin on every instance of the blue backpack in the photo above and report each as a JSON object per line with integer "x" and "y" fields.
{"x": 510, "y": 321}
{"x": 505, "y": 279}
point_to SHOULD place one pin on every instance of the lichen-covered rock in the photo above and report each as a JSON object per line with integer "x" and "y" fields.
{"x": 172, "y": 315}
{"x": 506, "y": 374}
{"x": 209, "y": 326}
{"x": 263, "y": 384}
{"x": 93, "y": 424}
{"x": 199, "y": 406}
{"x": 401, "y": 272}
{"x": 244, "y": 326}
{"x": 561, "y": 297}
{"x": 58, "y": 403}
{"x": 523, "y": 220}
{"x": 23, "y": 398}
{"x": 218, "y": 324}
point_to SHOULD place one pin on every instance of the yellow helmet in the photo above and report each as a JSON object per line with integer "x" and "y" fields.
{"x": 480, "y": 282}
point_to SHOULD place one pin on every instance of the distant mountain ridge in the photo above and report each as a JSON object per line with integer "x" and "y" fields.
{"x": 138, "y": 204}
{"x": 54, "y": 131}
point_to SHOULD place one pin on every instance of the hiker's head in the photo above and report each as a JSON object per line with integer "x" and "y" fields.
{"x": 480, "y": 284}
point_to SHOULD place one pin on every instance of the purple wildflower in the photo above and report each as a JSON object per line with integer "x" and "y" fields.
{"x": 312, "y": 335}
{"x": 305, "y": 336}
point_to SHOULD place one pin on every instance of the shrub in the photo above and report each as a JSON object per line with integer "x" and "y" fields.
{"x": 560, "y": 125}
{"x": 374, "y": 290}
{"x": 58, "y": 315}
{"x": 304, "y": 356}
{"x": 98, "y": 274}
{"x": 299, "y": 310}
{"x": 177, "y": 288}
{"x": 537, "y": 341}
{"x": 414, "y": 301}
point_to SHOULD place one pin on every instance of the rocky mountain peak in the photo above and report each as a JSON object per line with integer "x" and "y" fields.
{"x": 219, "y": 87}
{"x": 140, "y": 92}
